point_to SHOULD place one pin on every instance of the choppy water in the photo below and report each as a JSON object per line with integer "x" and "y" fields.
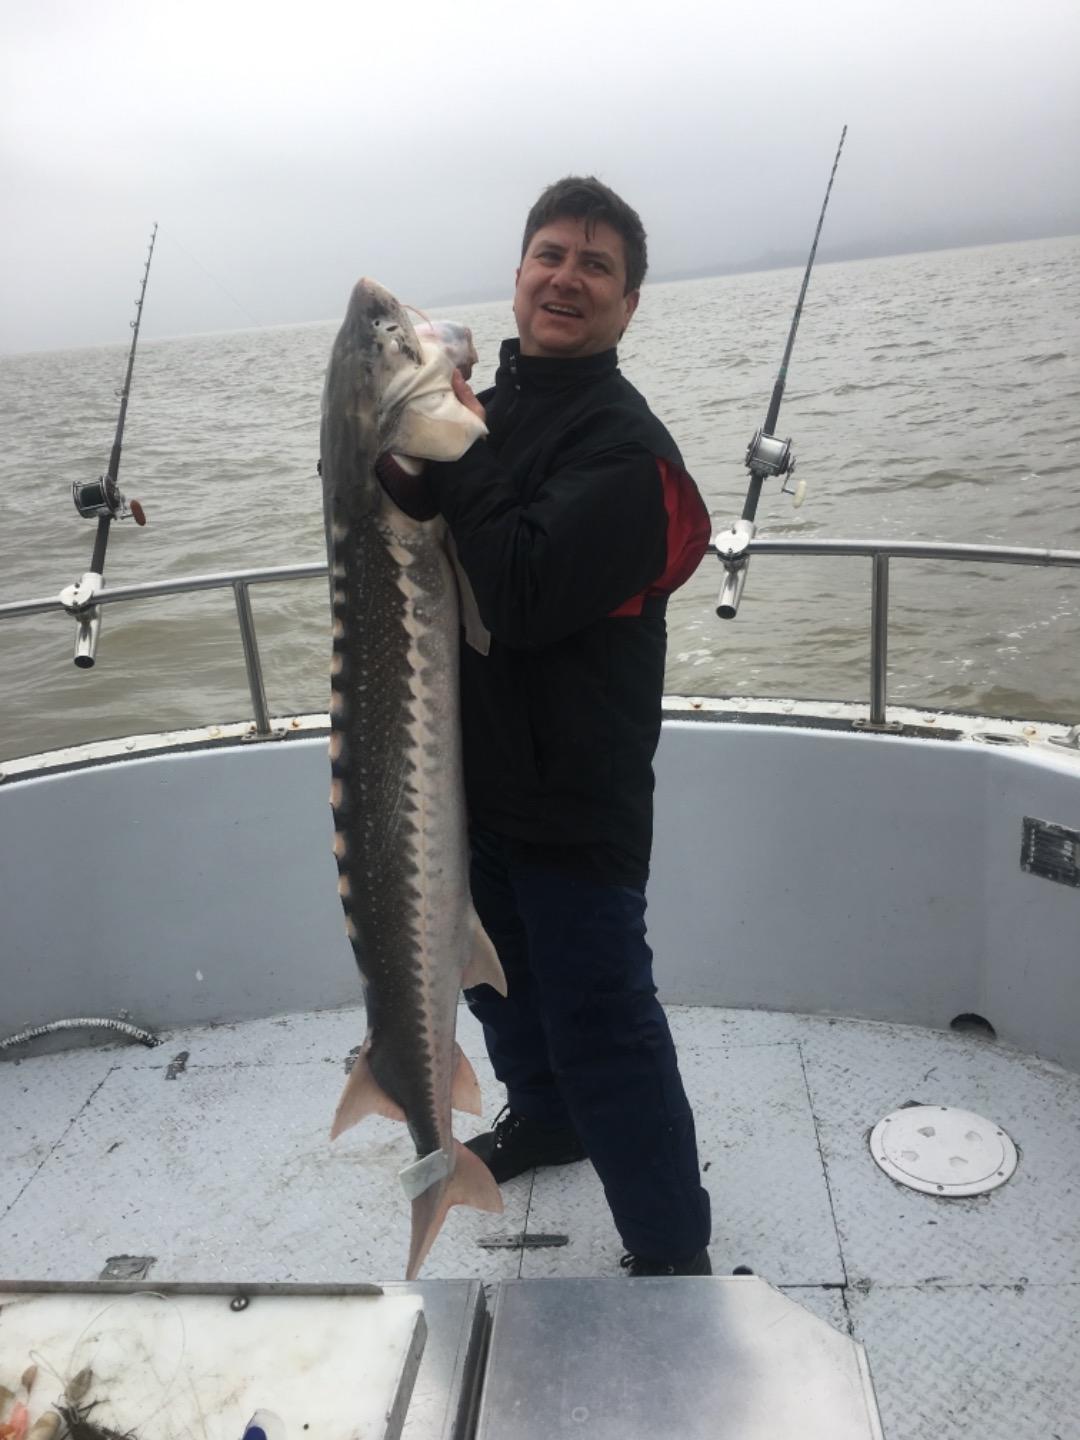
{"x": 931, "y": 397}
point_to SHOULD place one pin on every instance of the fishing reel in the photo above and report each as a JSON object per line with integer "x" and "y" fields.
{"x": 767, "y": 455}
{"x": 101, "y": 500}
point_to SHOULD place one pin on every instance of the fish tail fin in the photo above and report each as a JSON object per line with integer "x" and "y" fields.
{"x": 470, "y": 1183}
{"x": 465, "y": 1094}
{"x": 362, "y": 1096}
{"x": 483, "y": 967}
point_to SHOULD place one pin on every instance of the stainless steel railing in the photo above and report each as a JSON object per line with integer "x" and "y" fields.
{"x": 880, "y": 553}
{"x": 239, "y": 581}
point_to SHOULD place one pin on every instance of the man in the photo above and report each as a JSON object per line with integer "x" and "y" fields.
{"x": 574, "y": 520}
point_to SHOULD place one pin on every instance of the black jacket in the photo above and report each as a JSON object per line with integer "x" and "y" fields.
{"x": 573, "y": 521}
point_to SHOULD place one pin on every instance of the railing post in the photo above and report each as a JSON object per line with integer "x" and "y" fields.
{"x": 879, "y": 639}
{"x": 251, "y": 658}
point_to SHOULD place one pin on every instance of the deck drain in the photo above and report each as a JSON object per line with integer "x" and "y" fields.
{"x": 942, "y": 1151}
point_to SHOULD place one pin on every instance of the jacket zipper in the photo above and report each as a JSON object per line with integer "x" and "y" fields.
{"x": 517, "y": 387}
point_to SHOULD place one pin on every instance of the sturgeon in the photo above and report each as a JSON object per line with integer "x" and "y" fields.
{"x": 397, "y": 791}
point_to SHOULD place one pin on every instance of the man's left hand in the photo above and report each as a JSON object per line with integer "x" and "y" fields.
{"x": 464, "y": 393}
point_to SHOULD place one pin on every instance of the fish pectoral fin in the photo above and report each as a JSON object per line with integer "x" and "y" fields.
{"x": 471, "y": 1183}
{"x": 362, "y": 1096}
{"x": 483, "y": 967}
{"x": 465, "y": 1091}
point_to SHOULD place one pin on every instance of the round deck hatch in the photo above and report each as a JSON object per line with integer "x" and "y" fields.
{"x": 943, "y": 1151}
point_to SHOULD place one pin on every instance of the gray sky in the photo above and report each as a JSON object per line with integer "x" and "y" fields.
{"x": 286, "y": 149}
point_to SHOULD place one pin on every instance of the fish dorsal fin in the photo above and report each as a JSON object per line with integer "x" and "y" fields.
{"x": 465, "y": 1094}
{"x": 432, "y": 424}
{"x": 482, "y": 967}
{"x": 363, "y": 1096}
{"x": 470, "y": 1183}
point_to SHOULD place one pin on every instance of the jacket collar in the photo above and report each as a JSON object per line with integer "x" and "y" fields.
{"x": 548, "y": 372}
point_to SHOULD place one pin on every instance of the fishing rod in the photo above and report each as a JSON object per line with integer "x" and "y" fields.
{"x": 766, "y": 455}
{"x": 102, "y": 500}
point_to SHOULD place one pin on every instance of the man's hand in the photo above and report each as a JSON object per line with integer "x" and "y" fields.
{"x": 402, "y": 478}
{"x": 466, "y": 396}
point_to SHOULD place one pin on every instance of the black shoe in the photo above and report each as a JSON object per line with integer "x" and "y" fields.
{"x": 636, "y": 1266}
{"x": 516, "y": 1144}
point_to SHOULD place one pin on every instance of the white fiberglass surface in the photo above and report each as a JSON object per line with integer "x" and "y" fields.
{"x": 799, "y": 868}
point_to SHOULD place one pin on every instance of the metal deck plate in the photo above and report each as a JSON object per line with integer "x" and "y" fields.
{"x": 700, "y": 1359}
{"x": 969, "y": 1307}
{"x": 761, "y": 1165}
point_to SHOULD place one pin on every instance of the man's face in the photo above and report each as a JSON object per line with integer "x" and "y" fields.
{"x": 569, "y": 300}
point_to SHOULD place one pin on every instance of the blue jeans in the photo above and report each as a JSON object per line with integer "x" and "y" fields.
{"x": 581, "y": 1040}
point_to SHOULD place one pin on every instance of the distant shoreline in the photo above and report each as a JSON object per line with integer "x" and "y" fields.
{"x": 760, "y": 264}
{"x": 787, "y": 260}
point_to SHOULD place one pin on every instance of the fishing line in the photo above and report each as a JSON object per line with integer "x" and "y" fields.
{"x": 220, "y": 284}
{"x": 66, "y": 1380}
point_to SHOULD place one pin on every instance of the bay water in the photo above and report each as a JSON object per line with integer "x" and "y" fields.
{"x": 930, "y": 397}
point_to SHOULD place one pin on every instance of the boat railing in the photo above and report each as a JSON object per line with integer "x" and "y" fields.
{"x": 879, "y": 552}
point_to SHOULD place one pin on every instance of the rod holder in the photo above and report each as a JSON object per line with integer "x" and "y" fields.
{"x": 727, "y": 605}
{"x": 86, "y": 638}
{"x": 732, "y": 547}
{"x": 78, "y": 600}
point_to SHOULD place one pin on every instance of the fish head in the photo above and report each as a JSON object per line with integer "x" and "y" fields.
{"x": 374, "y": 354}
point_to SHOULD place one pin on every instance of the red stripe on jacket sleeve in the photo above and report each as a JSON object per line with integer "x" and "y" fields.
{"x": 688, "y": 533}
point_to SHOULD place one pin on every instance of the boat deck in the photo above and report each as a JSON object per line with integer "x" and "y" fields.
{"x": 210, "y": 1154}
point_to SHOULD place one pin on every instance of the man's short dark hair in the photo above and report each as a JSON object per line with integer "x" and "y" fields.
{"x": 583, "y": 197}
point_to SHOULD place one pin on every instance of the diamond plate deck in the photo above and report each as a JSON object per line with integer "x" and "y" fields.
{"x": 995, "y": 1362}
{"x": 39, "y": 1101}
{"x": 752, "y": 1115}
{"x": 969, "y": 1309}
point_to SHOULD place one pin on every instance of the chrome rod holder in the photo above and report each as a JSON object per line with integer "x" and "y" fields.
{"x": 733, "y": 547}
{"x": 86, "y": 638}
{"x": 78, "y": 600}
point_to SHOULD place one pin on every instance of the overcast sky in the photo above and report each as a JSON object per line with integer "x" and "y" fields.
{"x": 286, "y": 149}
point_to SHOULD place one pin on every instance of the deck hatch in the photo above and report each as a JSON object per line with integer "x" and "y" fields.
{"x": 941, "y": 1150}
{"x": 1052, "y": 851}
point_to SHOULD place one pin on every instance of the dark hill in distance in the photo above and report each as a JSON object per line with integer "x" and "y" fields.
{"x": 944, "y": 237}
